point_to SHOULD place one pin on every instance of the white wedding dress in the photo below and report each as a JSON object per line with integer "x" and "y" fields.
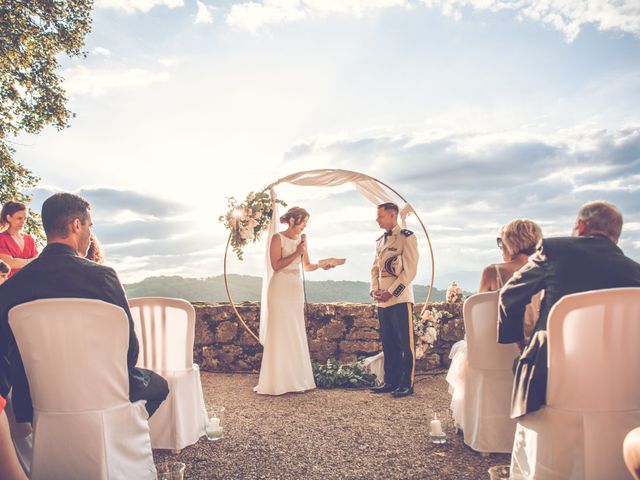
{"x": 286, "y": 364}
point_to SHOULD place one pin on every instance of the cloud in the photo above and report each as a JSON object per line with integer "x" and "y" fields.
{"x": 568, "y": 16}
{"x": 111, "y": 202}
{"x": 473, "y": 182}
{"x": 81, "y": 80}
{"x": 169, "y": 62}
{"x": 123, "y": 216}
{"x": 205, "y": 13}
{"x": 134, "y": 6}
{"x": 254, "y": 16}
{"x": 462, "y": 162}
{"x": 101, "y": 51}
{"x": 142, "y": 234}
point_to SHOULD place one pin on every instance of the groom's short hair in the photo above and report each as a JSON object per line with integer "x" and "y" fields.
{"x": 389, "y": 206}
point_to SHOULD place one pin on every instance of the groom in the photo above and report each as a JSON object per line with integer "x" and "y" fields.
{"x": 394, "y": 268}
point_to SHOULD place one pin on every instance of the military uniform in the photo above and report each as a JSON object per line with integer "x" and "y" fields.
{"x": 393, "y": 270}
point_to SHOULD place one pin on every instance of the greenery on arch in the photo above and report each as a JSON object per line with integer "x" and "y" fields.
{"x": 247, "y": 220}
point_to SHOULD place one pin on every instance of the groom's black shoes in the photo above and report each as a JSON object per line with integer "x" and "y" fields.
{"x": 384, "y": 388}
{"x": 402, "y": 392}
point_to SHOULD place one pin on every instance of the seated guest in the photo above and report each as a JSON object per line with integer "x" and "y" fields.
{"x": 4, "y": 272}
{"x": 10, "y": 468}
{"x": 94, "y": 253}
{"x": 61, "y": 271}
{"x": 516, "y": 240}
{"x": 589, "y": 260}
{"x": 17, "y": 249}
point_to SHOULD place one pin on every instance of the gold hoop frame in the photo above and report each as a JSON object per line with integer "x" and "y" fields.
{"x": 424, "y": 229}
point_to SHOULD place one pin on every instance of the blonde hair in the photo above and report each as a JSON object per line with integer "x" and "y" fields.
{"x": 521, "y": 236}
{"x": 298, "y": 214}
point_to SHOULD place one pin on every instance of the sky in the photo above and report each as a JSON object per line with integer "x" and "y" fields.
{"x": 475, "y": 111}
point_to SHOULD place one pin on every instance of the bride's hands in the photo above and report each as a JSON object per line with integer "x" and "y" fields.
{"x": 301, "y": 248}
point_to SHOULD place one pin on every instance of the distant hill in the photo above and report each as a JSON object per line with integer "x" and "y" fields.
{"x": 247, "y": 288}
{"x": 467, "y": 280}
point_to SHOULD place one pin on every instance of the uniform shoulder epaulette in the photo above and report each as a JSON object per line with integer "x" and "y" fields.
{"x": 406, "y": 233}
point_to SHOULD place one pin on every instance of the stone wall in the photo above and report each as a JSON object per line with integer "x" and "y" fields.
{"x": 343, "y": 331}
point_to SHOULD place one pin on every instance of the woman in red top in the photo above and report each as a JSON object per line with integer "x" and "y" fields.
{"x": 17, "y": 249}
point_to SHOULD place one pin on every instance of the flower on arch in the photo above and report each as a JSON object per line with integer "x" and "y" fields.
{"x": 246, "y": 221}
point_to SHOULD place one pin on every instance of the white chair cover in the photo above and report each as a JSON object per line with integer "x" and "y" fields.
{"x": 75, "y": 356}
{"x": 593, "y": 390}
{"x": 487, "y": 379}
{"x": 166, "y": 329}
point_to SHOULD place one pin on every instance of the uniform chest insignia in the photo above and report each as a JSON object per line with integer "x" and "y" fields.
{"x": 406, "y": 233}
{"x": 392, "y": 266}
{"x": 392, "y": 249}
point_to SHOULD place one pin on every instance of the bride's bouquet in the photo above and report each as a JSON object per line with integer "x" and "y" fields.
{"x": 247, "y": 220}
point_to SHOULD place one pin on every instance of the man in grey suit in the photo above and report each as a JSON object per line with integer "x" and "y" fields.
{"x": 589, "y": 260}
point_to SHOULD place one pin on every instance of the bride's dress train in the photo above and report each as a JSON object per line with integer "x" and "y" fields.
{"x": 286, "y": 364}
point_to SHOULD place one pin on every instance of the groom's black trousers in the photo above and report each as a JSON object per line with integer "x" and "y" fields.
{"x": 396, "y": 333}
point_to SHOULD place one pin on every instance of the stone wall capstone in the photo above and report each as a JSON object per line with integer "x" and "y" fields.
{"x": 344, "y": 331}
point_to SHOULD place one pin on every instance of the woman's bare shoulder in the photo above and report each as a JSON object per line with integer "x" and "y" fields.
{"x": 488, "y": 279}
{"x": 275, "y": 240}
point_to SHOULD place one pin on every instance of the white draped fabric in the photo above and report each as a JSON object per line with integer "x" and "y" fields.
{"x": 268, "y": 269}
{"x": 368, "y": 187}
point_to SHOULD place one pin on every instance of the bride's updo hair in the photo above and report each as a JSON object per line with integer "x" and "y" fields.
{"x": 298, "y": 214}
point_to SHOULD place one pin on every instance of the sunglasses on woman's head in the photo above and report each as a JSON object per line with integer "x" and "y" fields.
{"x": 499, "y": 242}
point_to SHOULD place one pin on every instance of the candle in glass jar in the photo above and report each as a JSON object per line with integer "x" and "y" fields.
{"x": 213, "y": 429}
{"x": 436, "y": 427}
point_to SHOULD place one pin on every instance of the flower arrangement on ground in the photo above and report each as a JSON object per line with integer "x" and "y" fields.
{"x": 334, "y": 374}
{"x": 454, "y": 293}
{"x": 425, "y": 329}
{"x": 247, "y": 221}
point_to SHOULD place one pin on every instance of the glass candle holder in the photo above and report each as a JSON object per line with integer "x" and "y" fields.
{"x": 499, "y": 472}
{"x": 170, "y": 470}
{"x": 215, "y": 424}
{"x": 436, "y": 433}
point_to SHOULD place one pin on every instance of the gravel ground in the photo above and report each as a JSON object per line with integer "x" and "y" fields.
{"x": 330, "y": 434}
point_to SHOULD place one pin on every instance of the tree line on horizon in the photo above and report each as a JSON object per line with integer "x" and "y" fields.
{"x": 248, "y": 288}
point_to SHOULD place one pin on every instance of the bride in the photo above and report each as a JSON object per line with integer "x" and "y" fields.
{"x": 286, "y": 364}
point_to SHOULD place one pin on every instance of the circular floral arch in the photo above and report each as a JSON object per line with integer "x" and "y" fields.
{"x": 248, "y": 220}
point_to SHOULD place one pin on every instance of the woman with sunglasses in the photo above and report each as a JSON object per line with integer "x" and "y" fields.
{"x": 517, "y": 240}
